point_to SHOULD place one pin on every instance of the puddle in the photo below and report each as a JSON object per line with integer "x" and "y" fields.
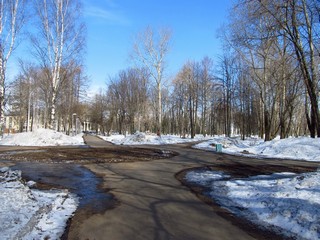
{"x": 22, "y": 151}
{"x": 76, "y": 178}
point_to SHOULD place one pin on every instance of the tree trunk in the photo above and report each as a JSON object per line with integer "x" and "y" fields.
{"x": 159, "y": 110}
{"x": 2, "y": 94}
{"x": 53, "y": 123}
{"x": 267, "y": 126}
{"x": 191, "y": 117}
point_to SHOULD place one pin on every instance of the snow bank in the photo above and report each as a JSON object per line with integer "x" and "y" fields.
{"x": 32, "y": 214}
{"x": 286, "y": 201}
{"x": 140, "y": 138}
{"x": 302, "y": 148}
{"x": 41, "y": 137}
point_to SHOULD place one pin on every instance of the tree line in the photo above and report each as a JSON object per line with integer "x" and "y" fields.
{"x": 278, "y": 41}
{"x": 265, "y": 83}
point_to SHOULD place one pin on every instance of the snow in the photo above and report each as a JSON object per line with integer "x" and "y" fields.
{"x": 301, "y": 148}
{"x": 29, "y": 213}
{"x": 41, "y": 137}
{"x": 140, "y": 138}
{"x": 205, "y": 177}
{"x": 285, "y": 202}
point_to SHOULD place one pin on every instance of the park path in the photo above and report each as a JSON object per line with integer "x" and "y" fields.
{"x": 152, "y": 202}
{"x": 95, "y": 142}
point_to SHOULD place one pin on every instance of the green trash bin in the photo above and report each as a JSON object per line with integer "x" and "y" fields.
{"x": 218, "y": 147}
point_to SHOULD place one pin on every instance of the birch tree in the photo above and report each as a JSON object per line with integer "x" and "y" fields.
{"x": 11, "y": 21}
{"x": 61, "y": 39}
{"x": 150, "y": 49}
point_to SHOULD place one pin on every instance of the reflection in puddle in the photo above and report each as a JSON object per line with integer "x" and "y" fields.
{"x": 76, "y": 178}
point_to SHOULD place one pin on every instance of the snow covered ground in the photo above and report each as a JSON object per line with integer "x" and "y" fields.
{"x": 27, "y": 213}
{"x": 140, "y": 138}
{"x": 41, "y": 137}
{"x": 285, "y": 202}
{"x": 301, "y": 148}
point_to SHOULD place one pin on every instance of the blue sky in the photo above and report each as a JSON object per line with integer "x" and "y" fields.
{"x": 113, "y": 24}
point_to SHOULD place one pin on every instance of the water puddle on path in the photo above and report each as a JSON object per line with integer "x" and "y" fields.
{"x": 76, "y": 178}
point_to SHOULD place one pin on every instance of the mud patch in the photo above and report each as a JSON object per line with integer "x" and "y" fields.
{"x": 87, "y": 155}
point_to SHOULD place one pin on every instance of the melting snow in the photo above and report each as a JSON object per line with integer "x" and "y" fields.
{"x": 289, "y": 202}
{"x": 41, "y": 137}
{"x": 301, "y": 148}
{"x": 32, "y": 214}
{"x": 140, "y": 138}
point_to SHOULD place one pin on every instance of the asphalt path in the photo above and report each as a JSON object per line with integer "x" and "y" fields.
{"x": 95, "y": 142}
{"x": 153, "y": 204}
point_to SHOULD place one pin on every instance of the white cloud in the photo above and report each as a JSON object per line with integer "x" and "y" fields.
{"x": 111, "y": 15}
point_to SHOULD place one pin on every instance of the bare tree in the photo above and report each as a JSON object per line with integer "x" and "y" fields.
{"x": 187, "y": 94}
{"x": 205, "y": 91}
{"x": 98, "y": 109}
{"x": 299, "y": 22}
{"x": 277, "y": 42}
{"x": 69, "y": 97}
{"x": 228, "y": 78}
{"x": 256, "y": 37}
{"x": 18, "y": 100}
{"x": 302, "y": 14}
{"x": 245, "y": 99}
{"x": 150, "y": 49}
{"x": 11, "y": 21}
{"x": 127, "y": 97}
{"x": 61, "y": 40}
{"x": 180, "y": 98}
